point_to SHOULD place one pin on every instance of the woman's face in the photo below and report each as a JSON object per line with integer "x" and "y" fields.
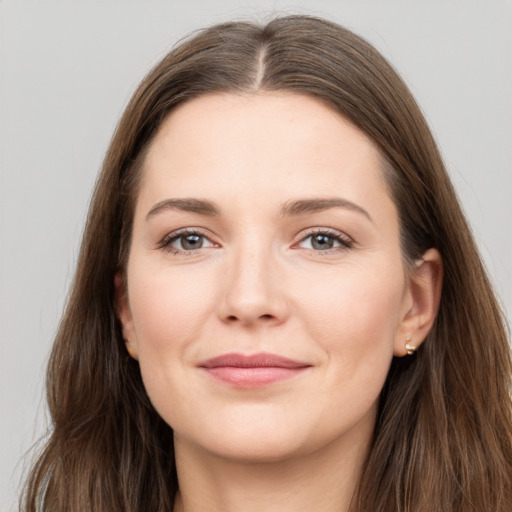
{"x": 266, "y": 290}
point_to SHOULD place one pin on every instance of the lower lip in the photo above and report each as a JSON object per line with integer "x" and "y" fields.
{"x": 252, "y": 377}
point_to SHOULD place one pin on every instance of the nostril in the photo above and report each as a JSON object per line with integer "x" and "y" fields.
{"x": 234, "y": 318}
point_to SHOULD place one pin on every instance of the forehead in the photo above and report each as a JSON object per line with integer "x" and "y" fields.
{"x": 228, "y": 145}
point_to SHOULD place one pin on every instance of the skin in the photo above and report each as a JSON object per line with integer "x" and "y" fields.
{"x": 259, "y": 283}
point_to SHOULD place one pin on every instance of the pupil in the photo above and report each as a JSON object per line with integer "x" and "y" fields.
{"x": 322, "y": 242}
{"x": 192, "y": 242}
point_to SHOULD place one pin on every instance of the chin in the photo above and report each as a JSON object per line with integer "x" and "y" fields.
{"x": 253, "y": 449}
{"x": 247, "y": 441}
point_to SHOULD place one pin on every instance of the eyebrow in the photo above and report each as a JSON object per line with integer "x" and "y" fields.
{"x": 201, "y": 206}
{"x": 290, "y": 208}
{"x": 303, "y": 206}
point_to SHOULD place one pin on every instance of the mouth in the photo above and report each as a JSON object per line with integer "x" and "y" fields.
{"x": 252, "y": 371}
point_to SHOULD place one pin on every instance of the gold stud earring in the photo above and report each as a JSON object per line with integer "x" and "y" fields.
{"x": 129, "y": 350}
{"x": 410, "y": 348}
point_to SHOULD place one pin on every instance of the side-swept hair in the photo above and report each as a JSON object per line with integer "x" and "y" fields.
{"x": 443, "y": 439}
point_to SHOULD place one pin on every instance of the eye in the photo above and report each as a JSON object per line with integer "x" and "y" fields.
{"x": 185, "y": 241}
{"x": 325, "y": 240}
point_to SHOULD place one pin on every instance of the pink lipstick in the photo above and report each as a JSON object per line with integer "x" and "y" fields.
{"x": 252, "y": 371}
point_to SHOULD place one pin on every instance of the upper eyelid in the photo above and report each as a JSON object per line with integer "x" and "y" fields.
{"x": 324, "y": 230}
{"x": 321, "y": 229}
{"x": 187, "y": 231}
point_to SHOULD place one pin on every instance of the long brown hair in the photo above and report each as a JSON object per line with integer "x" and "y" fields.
{"x": 443, "y": 438}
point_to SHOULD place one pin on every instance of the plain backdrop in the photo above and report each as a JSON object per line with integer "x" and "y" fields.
{"x": 67, "y": 69}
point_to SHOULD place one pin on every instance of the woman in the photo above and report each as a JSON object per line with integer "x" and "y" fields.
{"x": 278, "y": 304}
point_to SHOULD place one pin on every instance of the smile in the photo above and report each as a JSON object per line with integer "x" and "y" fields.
{"x": 252, "y": 371}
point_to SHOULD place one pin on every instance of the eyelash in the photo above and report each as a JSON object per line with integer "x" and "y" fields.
{"x": 344, "y": 241}
{"x": 166, "y": 242}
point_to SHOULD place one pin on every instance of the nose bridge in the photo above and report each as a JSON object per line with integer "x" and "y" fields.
{"x": 252, "y": 290}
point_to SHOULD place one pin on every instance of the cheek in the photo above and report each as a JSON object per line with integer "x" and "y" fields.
{"x": 168, "y": 308}
{"x": 355, "y": 317}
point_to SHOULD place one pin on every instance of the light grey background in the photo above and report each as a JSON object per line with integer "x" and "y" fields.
{"x": 67, "y": 69}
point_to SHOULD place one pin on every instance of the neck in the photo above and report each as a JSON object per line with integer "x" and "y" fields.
{"x": 323, "y": 480}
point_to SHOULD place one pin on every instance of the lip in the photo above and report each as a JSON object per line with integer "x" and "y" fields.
{"x": 252, "y": 371}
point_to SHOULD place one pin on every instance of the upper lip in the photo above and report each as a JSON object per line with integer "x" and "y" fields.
{"x": 261, "y": 360}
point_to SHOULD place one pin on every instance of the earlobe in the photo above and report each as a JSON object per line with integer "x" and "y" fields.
{"x": 124, "y": 315}
{"x": 424, "y": 295}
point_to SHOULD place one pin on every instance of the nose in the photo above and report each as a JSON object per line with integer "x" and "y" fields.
{"x": 253, "y": 292}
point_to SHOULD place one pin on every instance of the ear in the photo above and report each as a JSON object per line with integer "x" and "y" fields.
{"x": 421, "y": 304}
{"x": 124, "y": 315}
